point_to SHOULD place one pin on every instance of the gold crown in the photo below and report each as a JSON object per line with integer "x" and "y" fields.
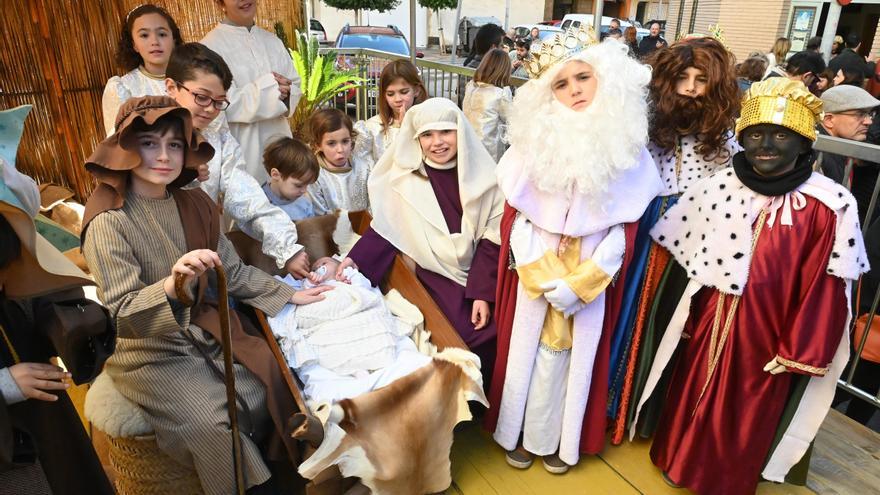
{"x": 715, "y": 31}
{"x": 563, "y": 46}
{"x": 783, "y": 102}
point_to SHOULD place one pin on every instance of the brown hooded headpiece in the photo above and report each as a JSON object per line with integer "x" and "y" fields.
{"x": 116, "y": 156}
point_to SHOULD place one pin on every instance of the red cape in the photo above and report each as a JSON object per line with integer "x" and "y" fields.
{"x": 595, "y": 421}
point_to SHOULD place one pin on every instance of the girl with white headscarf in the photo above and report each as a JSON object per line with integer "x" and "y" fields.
{"x": 435, "y": 199}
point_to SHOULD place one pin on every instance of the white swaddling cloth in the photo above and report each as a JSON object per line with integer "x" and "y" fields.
{"x": 347, "y": 344}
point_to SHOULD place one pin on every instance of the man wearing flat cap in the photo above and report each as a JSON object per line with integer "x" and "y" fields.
{"x": 849, "y": 112}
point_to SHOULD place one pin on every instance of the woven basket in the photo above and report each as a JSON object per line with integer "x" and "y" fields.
{"x": 143, "y": 469}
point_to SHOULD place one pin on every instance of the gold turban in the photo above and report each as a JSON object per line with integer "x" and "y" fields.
{"x": 784, "y": 102}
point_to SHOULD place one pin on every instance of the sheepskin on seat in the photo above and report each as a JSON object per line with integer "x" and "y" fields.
{"x": 112, "y": 413}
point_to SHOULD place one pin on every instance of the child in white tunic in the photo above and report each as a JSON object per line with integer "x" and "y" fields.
{"x": 148, "y": 36}
{"x": 342, "y": 182}
{"x": 265, "y": 88}
{"x": 487, "y": 101}
{"x": 400, "y": 87}
{"x": 198, "y": 81}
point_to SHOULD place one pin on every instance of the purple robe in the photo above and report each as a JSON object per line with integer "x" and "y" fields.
{"x": 374, "y": 256}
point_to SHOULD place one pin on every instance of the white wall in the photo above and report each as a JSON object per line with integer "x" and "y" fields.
{"x": 521, "y": 12}
{"x": 333, "y": 19}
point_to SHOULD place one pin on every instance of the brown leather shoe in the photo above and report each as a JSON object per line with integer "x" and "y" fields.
{"x": 553, "y": 464}
{"x": 519, "y": 458}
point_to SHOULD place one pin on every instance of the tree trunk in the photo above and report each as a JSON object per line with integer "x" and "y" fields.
{"x": 440, "y": 28}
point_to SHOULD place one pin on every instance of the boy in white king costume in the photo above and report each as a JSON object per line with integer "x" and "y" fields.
{"x": 577, "y": 172}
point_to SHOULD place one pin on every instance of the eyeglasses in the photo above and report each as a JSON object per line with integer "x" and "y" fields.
{"x": 858, "y": 114}
{"x": 205, "y": 100}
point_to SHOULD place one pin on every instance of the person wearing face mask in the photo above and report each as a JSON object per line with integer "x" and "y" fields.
{"x": 695, "y": 99}
{"x": 265, "y": 86}
{"x": 434, "y": 199}
{"x": 750, "y": 332}
{"x": 574, "y": 191}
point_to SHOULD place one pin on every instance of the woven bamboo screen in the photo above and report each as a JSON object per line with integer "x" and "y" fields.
{"x": 58, "y": 54}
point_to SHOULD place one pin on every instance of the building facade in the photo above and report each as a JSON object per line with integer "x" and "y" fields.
{"x": 753, "y": 25}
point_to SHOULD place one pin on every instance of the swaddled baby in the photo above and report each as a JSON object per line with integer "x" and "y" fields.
{"x": 348, "y": 343}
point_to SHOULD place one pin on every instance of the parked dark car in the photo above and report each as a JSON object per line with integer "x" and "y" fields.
{"x": 387, "y": 39}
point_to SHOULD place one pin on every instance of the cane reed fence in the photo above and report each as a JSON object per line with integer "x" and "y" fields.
{"x": 57, "y": 56}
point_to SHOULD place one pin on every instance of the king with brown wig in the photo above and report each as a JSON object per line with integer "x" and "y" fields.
{"x": 694, "y": 100}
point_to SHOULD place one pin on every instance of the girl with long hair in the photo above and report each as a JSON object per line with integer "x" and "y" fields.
{"x": 149, "y": 34}
{"x": 776, "y": 56}
{"x": 487, "y": 100}
{"x": 342, "y": 181}
{"x": 400, "y": 87}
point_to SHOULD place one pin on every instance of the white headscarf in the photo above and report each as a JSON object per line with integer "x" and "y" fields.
{"x": 405, "y": 209}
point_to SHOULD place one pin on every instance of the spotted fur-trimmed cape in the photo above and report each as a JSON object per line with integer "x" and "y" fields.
{"x": 709, "y": 230}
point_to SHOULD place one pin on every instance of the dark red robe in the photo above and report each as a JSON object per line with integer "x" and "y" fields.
{"x": 595, "y": 420}
{"x": 790, "y": 307}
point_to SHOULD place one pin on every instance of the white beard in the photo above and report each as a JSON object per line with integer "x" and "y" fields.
{"x": 583, "y": 152}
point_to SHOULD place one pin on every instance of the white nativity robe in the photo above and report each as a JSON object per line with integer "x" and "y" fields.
{"x": 256, "y": 115}
{"x": 133, "y": 84}
{"x": 551, "y": 418}
{"x": 486, "y": 107}
{"x": 372, "y": 141}
{"x": 345, "y": 189}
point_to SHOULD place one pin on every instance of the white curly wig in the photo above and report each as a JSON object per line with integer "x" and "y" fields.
{"x": 587, "y": 149}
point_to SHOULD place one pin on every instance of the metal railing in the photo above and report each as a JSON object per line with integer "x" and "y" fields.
{"x": 866, "y": 152}
{"x": 441, "y": 79}
{"x": 448, "y": 81}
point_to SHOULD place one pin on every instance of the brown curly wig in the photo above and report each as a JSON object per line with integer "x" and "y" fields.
{"x": 711, "y": 115}
{"x": 126, "y": 57}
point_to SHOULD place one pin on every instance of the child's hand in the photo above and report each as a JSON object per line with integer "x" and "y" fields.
{"x": 347, "y": 262}
{"x": 33, "y": 379}
{"x": 298, "y": 265}
{"x": 192, "y": 265}
{"x": 480, "y": 314}
{"x": 308, "y": 296}
{"x": 204, "y": 174}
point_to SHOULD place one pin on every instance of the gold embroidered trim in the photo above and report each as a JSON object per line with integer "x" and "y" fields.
{"x": 716, "y": 343}
{"x": 15, "y": 356}
{"x": 545, "y": 268}
{"x": 801, "y": 366}
{"x": 587, "y": 281}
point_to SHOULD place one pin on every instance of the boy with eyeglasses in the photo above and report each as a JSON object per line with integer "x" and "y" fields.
{"x": 198, "y": 79}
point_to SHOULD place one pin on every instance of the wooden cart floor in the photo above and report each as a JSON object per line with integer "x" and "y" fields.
{"x": 846, "y": 460}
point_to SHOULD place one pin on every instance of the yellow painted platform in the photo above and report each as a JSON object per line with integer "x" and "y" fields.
{"x": 846, "y": 460}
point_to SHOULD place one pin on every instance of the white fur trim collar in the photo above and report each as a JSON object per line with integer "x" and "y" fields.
{"x": 709, "y": 230}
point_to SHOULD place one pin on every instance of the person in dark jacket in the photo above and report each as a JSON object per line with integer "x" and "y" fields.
{"x": 43, "y": 446}
{"x": 848, "y": 114}
{"x": 651, "y": 43}
{"x": 854, "y": 66}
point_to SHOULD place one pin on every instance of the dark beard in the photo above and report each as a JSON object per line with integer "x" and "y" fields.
{"x": 689, "y": 114}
